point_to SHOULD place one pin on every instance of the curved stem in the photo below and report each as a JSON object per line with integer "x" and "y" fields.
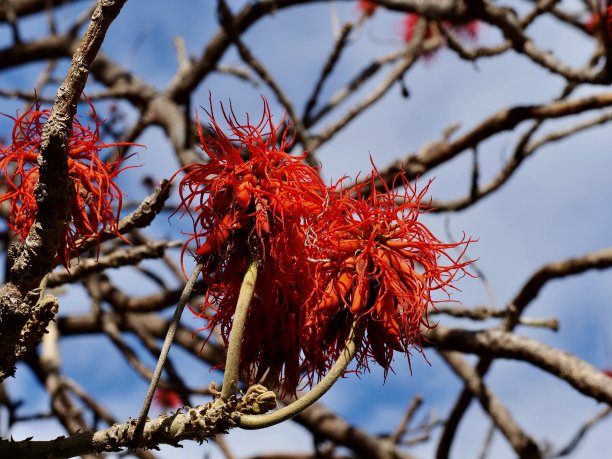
{"x": 232, "y": 363}
{"x": 251, "y": 422}
{"x": 146, "y": 405}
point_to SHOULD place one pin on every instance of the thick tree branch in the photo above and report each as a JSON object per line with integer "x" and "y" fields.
{"x": 318, "y": 419}
{"x": 497, "y": 344}
{"x": 34, "y": 259}
{"x": 199, "y": 423}
{"x": 322, "y": 421}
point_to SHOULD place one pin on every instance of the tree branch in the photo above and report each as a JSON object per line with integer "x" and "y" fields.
{"x": 496, "y": 344}
{"x": 200, "y": 423}
{"x": 34, "y": 259}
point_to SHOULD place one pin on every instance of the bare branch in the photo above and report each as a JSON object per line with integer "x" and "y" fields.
{"x": 23, "y": 8}
{"x": 332, "y": 60}
{"x": 117, "y": 259}
{"x": 322, "y": 421}
{"x": 40, "y": 247}
{"x": 504, "y": 120}
{"x": 397, "y": 436}
{"x": 412, "y": 52}
{"x": 142, "y": 217}
{"x": 496, "y": 343}
{"x": 522, "y": 443}
{"x": 199, "y": 423}
{"x": 595, "y": 260}
{"x": 584, "y": 429}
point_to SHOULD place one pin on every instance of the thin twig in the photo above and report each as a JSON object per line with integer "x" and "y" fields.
{"x": 117, "y": 259}
{"x": 486, "y": 445}
{"x": 327, "y": 69}
{"x": 402, "y": 428}
{"x": 11, "y": 17}
{"x": 588, "y": 425}
{"x": 142, "y": 417}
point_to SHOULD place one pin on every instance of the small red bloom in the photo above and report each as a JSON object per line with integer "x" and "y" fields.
{"x": 468, "y": 29}
{"x": 367, "y": 8}
{"x": 167, "y": 399}
{"x": 410, "y": 22}
{"x": 593, "y": 23}
{"x": 95, "y": 201}
{"x": 251, "y": 201}
{"x": 383, "y": 267}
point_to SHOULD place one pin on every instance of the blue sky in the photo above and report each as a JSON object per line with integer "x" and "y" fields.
{"x": 555, "y": 207}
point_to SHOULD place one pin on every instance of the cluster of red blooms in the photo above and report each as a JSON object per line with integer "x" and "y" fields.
{"x": 470, "y": 29}
{"x": 328, "y": 256}
{"x": 384, "y": 265}
{"x": 95, "y": 199}
{"x": 253, "y": 200}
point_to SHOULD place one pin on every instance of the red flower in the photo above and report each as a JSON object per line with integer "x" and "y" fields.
{"x": 95, "y": 201}
{"x": 251, "y": 201}
{"x": 593, "y": 23}
{"x": 248, "y": 185}
{"x": 367, "y": 8}
{"x": 468, "y": 29}
{"x": 382, "y": 268}
{"x": 410, "y": 22}
{"x": 167, "y": 399}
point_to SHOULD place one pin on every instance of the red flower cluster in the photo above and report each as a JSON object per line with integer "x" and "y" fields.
{"x": 469, "y": 29}
{"x": 328, "y": 256}
{"x": 253, "y": 200}
{"x": 383, "y": 267}
{"x": 95, "y": 201}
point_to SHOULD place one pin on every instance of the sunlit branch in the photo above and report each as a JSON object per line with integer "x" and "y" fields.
{"x": 117, "y": 259}
{"x": 595, "y": 260}
{"x": 496, "y": 343}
